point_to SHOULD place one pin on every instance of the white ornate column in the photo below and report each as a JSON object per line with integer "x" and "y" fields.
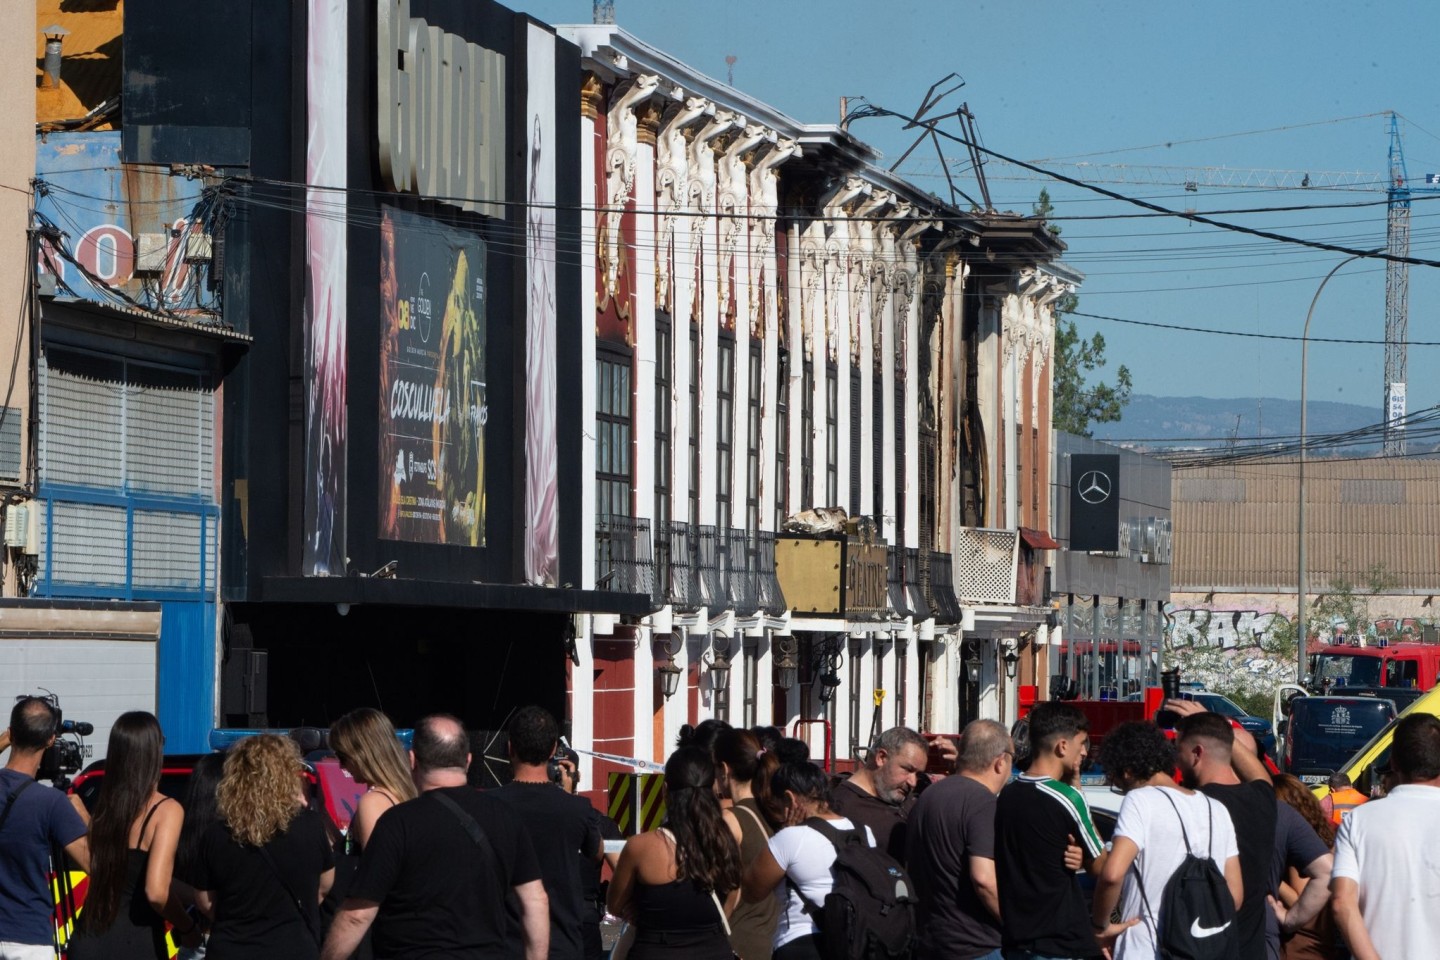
{"x": 675, "y": 282}
{"x": 705, "y": 238}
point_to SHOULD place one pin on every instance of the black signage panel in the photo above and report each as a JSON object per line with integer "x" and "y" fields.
{"x": 1095, "y": 501}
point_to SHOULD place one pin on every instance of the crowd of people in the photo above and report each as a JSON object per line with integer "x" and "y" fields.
{"x": 747, "y": 860}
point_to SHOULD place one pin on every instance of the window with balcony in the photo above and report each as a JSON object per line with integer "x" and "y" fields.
{"x": 724, "y": 432}
{"x": 832, "y": 436}
{"x": 855, "y": 434}
{"x": 612, "y": 436}
{"x": 694, "y": 513}
{"x": 752, "y": 442}
{"x": 807, "y": 435}
{"x": 901, "y": 477}
{"x": 664, "y": 421}
{"x": 782, "y": 438}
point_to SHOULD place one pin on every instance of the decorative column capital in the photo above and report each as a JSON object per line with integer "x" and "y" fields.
{"x": 592, "y": 96}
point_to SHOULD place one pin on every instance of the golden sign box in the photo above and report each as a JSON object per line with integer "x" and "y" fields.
{"x": 833, "y": 577}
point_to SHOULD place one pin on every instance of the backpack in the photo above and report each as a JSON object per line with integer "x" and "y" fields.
{"x": 869, "y": 913}
{"x": 1197, "y": 913}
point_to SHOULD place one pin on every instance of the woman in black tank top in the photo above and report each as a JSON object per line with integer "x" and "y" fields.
{"x": 677, "y": 884}
{"x": 132, "y": 853}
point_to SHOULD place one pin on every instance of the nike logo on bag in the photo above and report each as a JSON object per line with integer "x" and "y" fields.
{"x": 1200, "y": 933}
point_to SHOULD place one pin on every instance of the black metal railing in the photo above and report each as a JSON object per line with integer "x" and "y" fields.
{"x": 711, "y": 571}
{"x": 682, "y": 586}
{"x": 915, "y": 585}
{"x": 740, "y": 585}
{"x": 623, "y": 562}
{"x": 899, "y": 599}
{"x": 769, "y": 597}
{"x": 940, "y": 589}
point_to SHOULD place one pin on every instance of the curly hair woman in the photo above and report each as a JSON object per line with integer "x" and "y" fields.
{"x": 365, "y": 744}
{"x": 264, "y": 868}
{"x": 677, "y": 885}
{"x": 133, "y": 837}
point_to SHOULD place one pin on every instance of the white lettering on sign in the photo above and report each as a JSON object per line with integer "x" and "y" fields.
{"x": 441, "y": 112}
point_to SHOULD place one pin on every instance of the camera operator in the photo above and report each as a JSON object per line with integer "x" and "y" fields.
{"x": 33, "y": 820}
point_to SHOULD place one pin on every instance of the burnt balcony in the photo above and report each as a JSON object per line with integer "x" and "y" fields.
{"x": 915, "y": 583}
{"x": 899, "y": 598}
{"x": 985, "y": 565}
{"x": 623, "y": 563}
{"x": 940, "y": 589}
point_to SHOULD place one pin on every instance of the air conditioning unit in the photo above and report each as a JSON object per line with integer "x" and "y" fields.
{"x": 17, "y": 525}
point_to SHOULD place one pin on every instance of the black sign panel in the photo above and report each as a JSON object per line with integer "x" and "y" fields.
{"x": 1095, "y": 501}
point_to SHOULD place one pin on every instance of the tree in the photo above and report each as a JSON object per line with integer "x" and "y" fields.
{"x": 1077, "y": 404}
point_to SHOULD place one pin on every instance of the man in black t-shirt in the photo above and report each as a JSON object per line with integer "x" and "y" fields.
{"x": 1043, "y": 912}
{"x": 438, "y": 870}
{"x": 951, "y": 850}
{"x": 1211, "y": 763}
{"x": 881, "y": 793}
{"x": 562, "y": 828}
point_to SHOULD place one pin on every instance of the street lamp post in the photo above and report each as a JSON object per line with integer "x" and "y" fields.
{"x": 1301, "y": 588}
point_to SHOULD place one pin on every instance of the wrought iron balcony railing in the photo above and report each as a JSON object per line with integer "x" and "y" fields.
{"x": 940, "y": 589}
{"x": 682, "y": 585}
{"x": 622, "y": 556}
{"x": 899, "y": 597}
{"x": 915, "y": 584}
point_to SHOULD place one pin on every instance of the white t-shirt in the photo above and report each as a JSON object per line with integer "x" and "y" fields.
{"x": 806, "y": 856}
{"x": 1390, "y": 847}
{"x": 1150, "y": 822}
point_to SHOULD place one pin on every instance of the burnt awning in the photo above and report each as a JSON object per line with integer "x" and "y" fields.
{"x": 1038, "y": 539}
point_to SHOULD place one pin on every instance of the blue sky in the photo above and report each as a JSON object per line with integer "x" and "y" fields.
{"x": 1053, "y": 82}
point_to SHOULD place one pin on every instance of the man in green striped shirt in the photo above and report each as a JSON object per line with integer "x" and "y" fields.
{"x": 1043, "y": 913}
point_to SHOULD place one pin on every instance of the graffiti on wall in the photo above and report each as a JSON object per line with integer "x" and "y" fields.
{"x": 1201, "y": 627}
{"x": 1222, "y": 629}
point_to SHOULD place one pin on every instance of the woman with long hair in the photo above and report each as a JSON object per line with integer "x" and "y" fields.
{"x": 801, "y": 854}
{"x": 744, "y": 769}
{"x": 133, "y": 835}
{"x": 364, "y": 742}
{"x": 1319, "y": 939}
{"x": 265, "y": 866}
{"x": 200, "y": 812}
{"x": 677, "y": 885}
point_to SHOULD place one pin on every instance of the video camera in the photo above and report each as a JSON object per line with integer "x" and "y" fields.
{"x": 67, "y": 754}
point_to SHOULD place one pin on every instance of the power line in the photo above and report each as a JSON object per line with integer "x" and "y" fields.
{"x": 1241, "y": 333}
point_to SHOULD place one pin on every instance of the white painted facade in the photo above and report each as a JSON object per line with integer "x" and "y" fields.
{"x": 716, "y": 212}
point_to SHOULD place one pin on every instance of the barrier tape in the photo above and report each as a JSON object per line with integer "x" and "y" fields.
{"x": 634, "y": 763}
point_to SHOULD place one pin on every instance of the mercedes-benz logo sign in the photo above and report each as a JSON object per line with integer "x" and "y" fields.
{"x": 1094, "y": 486}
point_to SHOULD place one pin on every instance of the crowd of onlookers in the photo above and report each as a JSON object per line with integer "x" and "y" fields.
{"x": 746, "y": 860}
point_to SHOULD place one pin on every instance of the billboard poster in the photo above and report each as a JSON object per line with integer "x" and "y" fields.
{"x": 432, "y": 381}
{"x": 325, "y": 274}
{"x": 542, "y": 512}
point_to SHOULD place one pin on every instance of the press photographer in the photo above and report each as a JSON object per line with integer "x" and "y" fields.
{"x": 34, "y": 819}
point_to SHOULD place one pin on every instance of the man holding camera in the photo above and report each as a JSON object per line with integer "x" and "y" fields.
{"x": 33, "y": 821}
{"x": 562, "y": 827}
